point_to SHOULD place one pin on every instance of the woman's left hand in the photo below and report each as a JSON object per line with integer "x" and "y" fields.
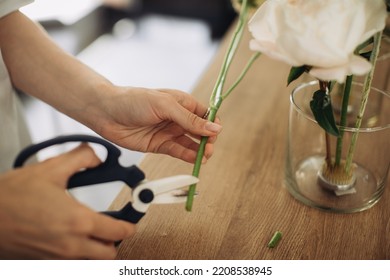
{"x": 159, "y": 121}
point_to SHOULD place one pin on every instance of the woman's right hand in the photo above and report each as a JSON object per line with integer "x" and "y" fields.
{"x": 40, "y": 220}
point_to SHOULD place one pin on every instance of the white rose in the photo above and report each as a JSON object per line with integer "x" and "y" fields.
{"x": 319, "y": 33}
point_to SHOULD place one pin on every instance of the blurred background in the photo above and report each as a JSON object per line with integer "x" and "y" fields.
{"x": 145, "y": 43}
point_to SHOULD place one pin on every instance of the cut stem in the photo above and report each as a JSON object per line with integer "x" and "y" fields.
{"x": 363, "y": 103}
{"x": 275, "y": 239}
{"x": 343, "y": 119}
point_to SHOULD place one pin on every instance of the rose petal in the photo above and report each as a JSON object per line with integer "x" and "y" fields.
{"x": 355, "y": 66}
{"x": 329, "y": 74}
{"x": 270, "y": 49}
{"x": 359, "y": 66}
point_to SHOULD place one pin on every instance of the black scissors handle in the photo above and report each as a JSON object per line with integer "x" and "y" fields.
{"x": 108, "y": 171}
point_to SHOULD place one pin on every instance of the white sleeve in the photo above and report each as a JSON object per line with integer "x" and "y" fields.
{"x": 9, "y": 6}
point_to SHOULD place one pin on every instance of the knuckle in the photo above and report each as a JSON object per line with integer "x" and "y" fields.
{"x": 164, "y": 104}
{"x": 68, "y": 249}
{"x": 129, "y": 230}
{"x": 193, "y": 120}
{"x": 110, "y": 254}
{"x": 165, "y": 97}
{"x": 89, "y": 156}
{"x": 87, "y": 150}
{"x": 80, "y": 222}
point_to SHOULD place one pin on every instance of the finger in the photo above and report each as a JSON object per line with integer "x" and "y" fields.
{"x": 188, "y": 101}
{"x": 188, "y": 143}
{"x": 188, "y": 113}
{"x": 97, "y": 250}
{"x": 217, "y": 120}
{"x": 210, "y": 139}
{"x": 100, "y": 251}
{"x": 73, "y": 161}
{"x": 209, "y": 150}
{"x": 109, "y": 229}
{"x": 192, "y": 144}
{"x": 186, "y": 150}
{"x": 78, "y": 247}
{"x": 176, "y": 150}
{"x": 193, "y": 123}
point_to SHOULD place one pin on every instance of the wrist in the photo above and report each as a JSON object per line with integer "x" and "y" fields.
{"x": 93, "y": 110}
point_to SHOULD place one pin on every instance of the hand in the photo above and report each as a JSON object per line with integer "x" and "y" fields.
{"x": 40, "y": 220}
{"x": 158, "y": 121}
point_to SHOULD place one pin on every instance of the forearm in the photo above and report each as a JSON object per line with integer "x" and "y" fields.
{"x": 139, "y": 119}
{"x": 38, "y": 67}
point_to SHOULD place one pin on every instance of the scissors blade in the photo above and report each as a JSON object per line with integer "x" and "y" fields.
{"x": 170, "y": 189}
{"x": 175, "y": 196}
{"x": 168, "y": 184}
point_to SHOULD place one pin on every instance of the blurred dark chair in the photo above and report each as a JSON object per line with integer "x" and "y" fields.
{"x": 218, "y": 14}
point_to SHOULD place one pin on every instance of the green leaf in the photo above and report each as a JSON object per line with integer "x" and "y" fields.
{"x": 321, "y": 107}
{"x": 295, "y": 73}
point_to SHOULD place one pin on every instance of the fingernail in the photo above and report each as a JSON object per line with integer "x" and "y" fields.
{"x": 204, "y": 160}
{"x": 213, "y": 127}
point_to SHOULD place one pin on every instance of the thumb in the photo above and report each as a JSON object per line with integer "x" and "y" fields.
{"x": 67, "y": 164}
{"x": 193, "y": 123}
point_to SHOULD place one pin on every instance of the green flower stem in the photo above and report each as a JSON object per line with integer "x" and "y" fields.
{"x": 218, "y": 88}
{"x": 211, "y": 117}
{"x": 343, "y": 119}
{"x": 242, "y": 75}
{"x": 216, "y": 97}
{"x": 198, "y": 162}
{"x": 363, "y": 103}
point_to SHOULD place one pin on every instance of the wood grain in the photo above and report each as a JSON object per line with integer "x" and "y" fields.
{"x": 243, "y": 200}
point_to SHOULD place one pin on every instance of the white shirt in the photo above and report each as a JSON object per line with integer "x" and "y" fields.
{"x": 13, "y": 130}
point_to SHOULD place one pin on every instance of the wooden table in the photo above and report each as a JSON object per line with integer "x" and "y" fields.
{"x": 243, "y": 200}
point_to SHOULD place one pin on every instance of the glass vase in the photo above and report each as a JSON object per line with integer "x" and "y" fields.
{"x": 309, "y": 148}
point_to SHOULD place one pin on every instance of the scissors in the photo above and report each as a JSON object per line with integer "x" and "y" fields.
{"x": 144, "y": 192}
